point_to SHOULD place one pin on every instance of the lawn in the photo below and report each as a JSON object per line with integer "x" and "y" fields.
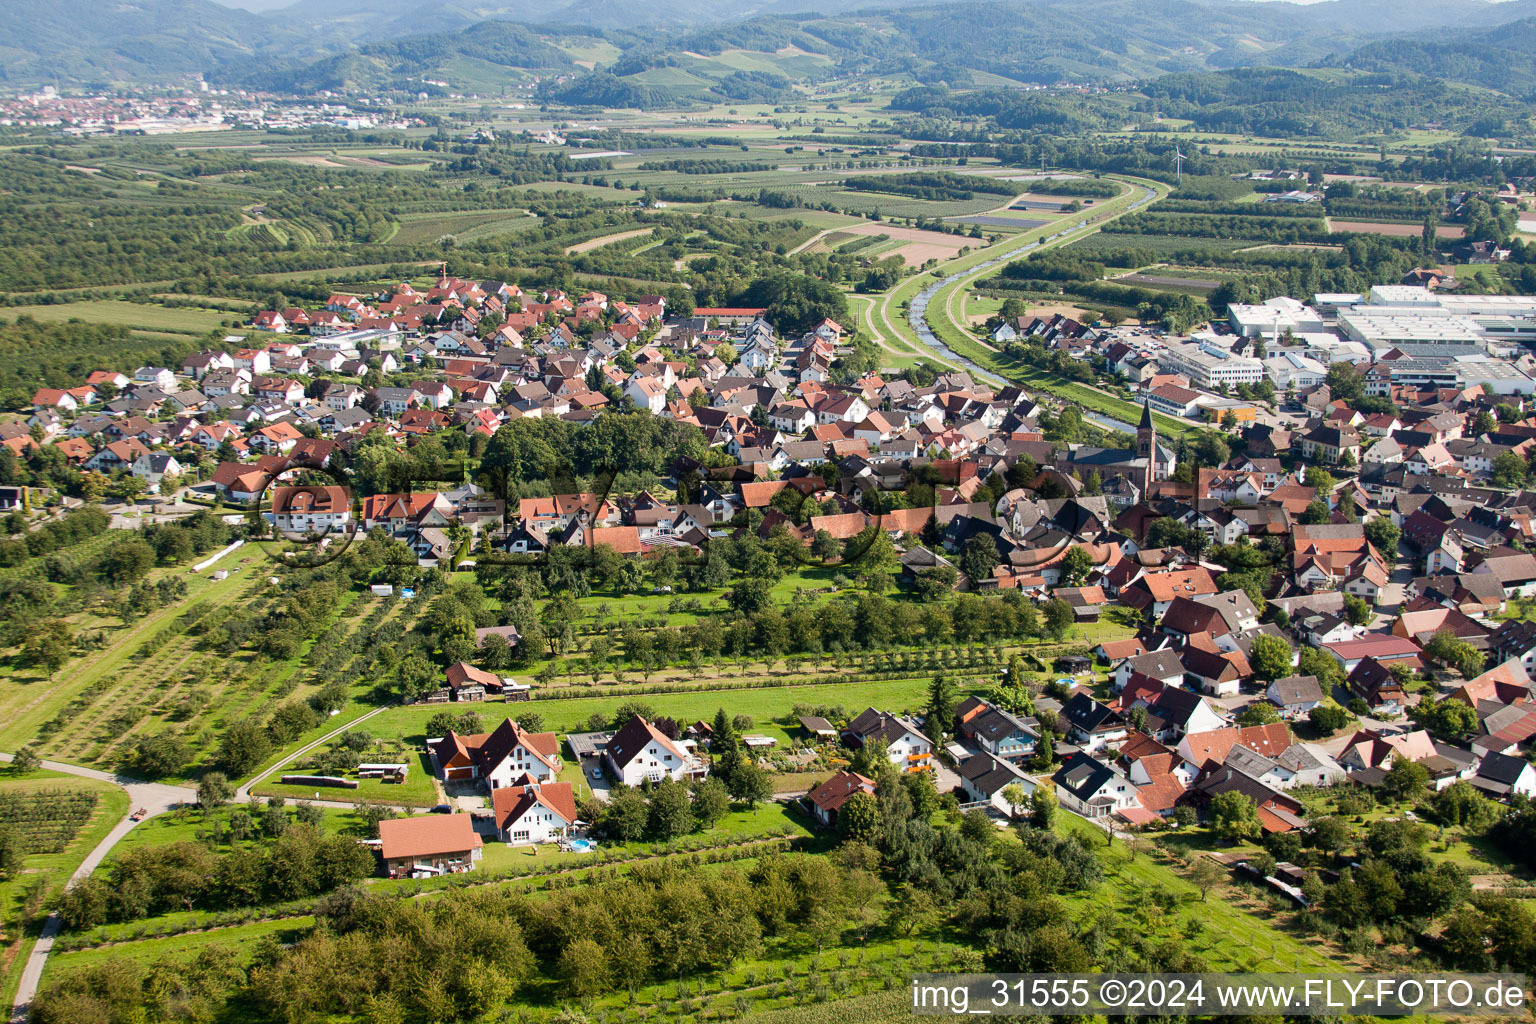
{"x": 240, "y": 940}
{"x": 418, "y": 790}
{"x": 739, "y": 825}
{"x": 769, "y": 707}
{"x": 132, "y": 314}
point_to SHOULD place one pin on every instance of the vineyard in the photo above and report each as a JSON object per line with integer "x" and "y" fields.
{"x": 46, "y": 820}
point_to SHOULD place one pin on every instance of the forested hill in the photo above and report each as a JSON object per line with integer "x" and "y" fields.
{"x": 399, "y": 63}
{"x": 1503, "y": 58}
{"x": 374, "y": 44}
{"x": 1048, "y": 41}
{"x": 1284, "y": 102}
{"x": 107, "y": 40}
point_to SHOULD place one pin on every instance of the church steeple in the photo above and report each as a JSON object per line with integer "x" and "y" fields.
{"x": 1146, "y": 448}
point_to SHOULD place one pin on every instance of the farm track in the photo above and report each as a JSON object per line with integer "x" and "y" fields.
{"x": 598, "y": 243}
{"x": 154, "y": 798}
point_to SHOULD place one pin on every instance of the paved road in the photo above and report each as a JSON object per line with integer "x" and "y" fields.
{"x": 244, "y": 792}
{"x": 918, "y": 311}
{"x": 154, "y": 798}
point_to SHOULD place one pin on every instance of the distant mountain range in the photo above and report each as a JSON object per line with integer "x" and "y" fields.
{"x": 104, "y": 40}
{"x": 383, "y": 18}
{"x": 1503, "y": 58}
{"x": 373, "y": 45}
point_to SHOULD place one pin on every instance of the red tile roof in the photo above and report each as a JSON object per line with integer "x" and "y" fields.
{"x": 429, "y": 836}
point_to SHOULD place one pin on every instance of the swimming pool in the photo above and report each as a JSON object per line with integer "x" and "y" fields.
{"x": 582, "y": 846}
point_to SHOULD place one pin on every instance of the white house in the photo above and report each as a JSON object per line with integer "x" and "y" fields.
{"x": 534, "y": 812}
{"x": 906, "y": 748}
{"x": 152, "y": 467}
{"x": 1091, "y": 788}
{"x": 1091, "y": 725}
{"x": 1308, "y": 765}
{"x": 310, "y": 509}
{"x": 984, "y": 778}
{"x": 156, "y": 376}
{"x": 640, "y": 751}
{"x": 341, "y": 397}
{"x": 1502, "y": 776}
{"x": 500, "y": 759}
{"x": 432, "y": 394}
{"x": 1164, "y": 666}
{"x": 1295, "y": 695}
{"x": 759, "y": 355}
{"x": 648, "y": 393}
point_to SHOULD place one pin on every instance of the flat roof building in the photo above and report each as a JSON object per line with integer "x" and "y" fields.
{"x": 1271, "y": 320}
{"x": 1209, "y": 365}
{"x": 1453, "y": 303}
{"x": 1288, "y": 369}
{"x": 1382, "y": 328}
{"x": 1495, "y": 375}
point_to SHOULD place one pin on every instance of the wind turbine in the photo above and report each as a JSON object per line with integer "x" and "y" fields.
{"x": 1178, "y": 157}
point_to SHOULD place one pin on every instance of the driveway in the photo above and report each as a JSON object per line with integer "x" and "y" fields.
{"x": 599, "y": 788}
{"x": 945, "y": 778}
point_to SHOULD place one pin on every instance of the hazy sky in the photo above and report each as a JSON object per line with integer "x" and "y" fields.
{"x": 270, "y": 5}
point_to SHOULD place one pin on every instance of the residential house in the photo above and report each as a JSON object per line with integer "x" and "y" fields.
{"x": 530, "y": 812}
{"x": 1091, "y": 725}
{"x": 828, "y": 798}
{"x": 1503, "y": 776}
{"x": 1092, "y": 788}
{"x": 310, "y": 509}
{"x": 985, "y": 779}
{"x": 1163, "y": 665}
{"x": 496, "y": 758}
{"x": 436, "y": 844}
{"x": 1330, "y": 444}
{"x": 1295, "y": 695}
{"x": 153, "y": 467}
{"x": 640, "y": 751}
{"x": 999, "y": 732}
{"x": 905, "y": 747}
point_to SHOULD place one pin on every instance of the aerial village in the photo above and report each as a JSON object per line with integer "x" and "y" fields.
{"x": 1344, "y": 544}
